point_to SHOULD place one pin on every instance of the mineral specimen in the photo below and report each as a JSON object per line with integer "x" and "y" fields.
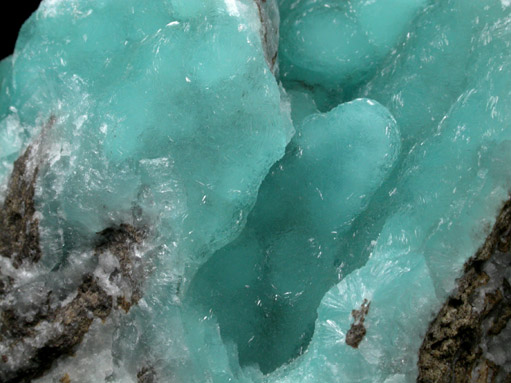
{"x": 338, "y": 44}
{"x": 256, "y": 191}
{"x": 290, "y": 244}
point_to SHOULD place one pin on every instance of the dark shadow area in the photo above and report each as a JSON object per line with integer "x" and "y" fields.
{"x": 12, "y": 20}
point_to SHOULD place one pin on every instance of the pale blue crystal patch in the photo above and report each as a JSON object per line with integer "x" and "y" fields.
{"x": 365, "y": 162}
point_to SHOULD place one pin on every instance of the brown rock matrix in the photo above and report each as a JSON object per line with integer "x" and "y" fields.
{"x": 33, "y": 337}
{"x": 458, "y": 345}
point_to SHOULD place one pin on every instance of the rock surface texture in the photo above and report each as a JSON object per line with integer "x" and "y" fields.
{"x": 39, "y": 332}
{"x": 469, "y": 338}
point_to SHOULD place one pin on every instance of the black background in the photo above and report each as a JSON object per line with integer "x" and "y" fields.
{"x": 12, "y": 16}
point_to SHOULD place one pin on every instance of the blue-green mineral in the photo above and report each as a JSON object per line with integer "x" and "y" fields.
{"x": 245, "y": 191}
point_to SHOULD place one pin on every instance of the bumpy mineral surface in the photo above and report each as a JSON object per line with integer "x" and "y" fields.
{"x": 256, "y": 191}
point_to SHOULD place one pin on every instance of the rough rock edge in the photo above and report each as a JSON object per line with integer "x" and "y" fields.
{"x": 61, "y": 328}
{"x": 19, "y": 237}
{"x": 146, "y": 374}
{"x": 268, "y": 26}
{"x": 477, "y": 311}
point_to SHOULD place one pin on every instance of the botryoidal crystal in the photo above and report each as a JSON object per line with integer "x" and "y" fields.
{"x": 245, "y": 190}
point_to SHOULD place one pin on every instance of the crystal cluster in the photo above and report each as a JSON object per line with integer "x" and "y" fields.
{"x": 245, "y": 190}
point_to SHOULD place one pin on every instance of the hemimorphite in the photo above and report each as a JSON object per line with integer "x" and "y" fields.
{"x": 423, "y": 115}
{"x": 130, "y": 125}
{"x": 11, "y": 137}
{"x": 336, "y": 45}
{"x": 431, "y": 214}
{"x": 280, "y": 267}
{"x": 5, "y": 76}
{"x": 167, "y": 116}
{"x": 423, "y": 78}
{"x": 120, "y": 81}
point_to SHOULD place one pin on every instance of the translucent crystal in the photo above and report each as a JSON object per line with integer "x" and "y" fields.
{"x": 266, "y": 285}
{"x": 138, "y": 118}
{"x": 298, "y": 217}
{"x": 336, "y": 44}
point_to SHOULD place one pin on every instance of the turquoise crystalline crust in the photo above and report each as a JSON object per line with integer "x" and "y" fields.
{"x": 280, "y": 267}
{"x": 338, "y": 44}
{"x": 140, "y": 117}
{"x": 358, "y": 169}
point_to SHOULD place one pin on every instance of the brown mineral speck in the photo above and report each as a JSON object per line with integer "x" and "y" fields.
{"x": 358, "y": 331}
{"x": 146, "y": 375}
{"x": 65, "y": 379}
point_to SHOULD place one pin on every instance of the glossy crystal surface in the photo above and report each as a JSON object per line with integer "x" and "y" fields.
{"x": 367, "y": 161}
